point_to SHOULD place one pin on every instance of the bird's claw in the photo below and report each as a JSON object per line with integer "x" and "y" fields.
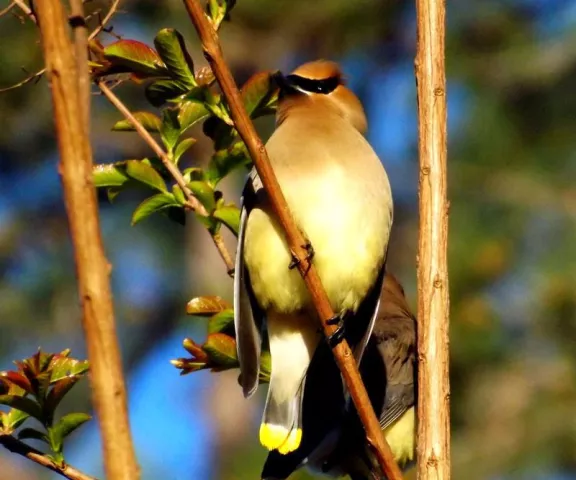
{"x": 338, "y": 335}
{"x": 309, "y": 255}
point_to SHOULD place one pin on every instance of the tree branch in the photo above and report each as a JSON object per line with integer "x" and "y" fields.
{"x": 80, "y": 30}
{"x": 433, "y": 296}
{"x": 192, "y": 202}
{"x": 296, "y": 240}
{"x": 108, "y": 388}
{"x": 105, "y": 20}
{"x": 16, "y": 446}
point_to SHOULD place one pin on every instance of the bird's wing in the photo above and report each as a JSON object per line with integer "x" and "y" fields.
{"x": 399, "y": 399}
{"x": 368, "y": 310}
{"x": 248, "y": 317}
{"x": 398, "y": 349}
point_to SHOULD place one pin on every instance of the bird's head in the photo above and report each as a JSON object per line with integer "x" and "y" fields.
{"x": 314, "y": 87}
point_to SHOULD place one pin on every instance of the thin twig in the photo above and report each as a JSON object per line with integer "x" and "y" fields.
{"x": 192, "y": 202}
{"x": 296, "y": 240}
{"x": 105, "y": 20}
{"x": 26, "y": 9}
{"x": 30, "y": 14}
{"x": 16, "y": 446}
{"x": 4, "y": 11}
{"x": 433, "y": 297}
{"x": 107, "y": 380}
{"x": 21, "y": 83}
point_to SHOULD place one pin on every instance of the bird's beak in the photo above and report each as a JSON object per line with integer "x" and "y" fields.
{"x": 284, "y": 83}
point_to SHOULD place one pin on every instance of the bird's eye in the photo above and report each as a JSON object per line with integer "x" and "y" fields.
{"x": 323, "y": 86}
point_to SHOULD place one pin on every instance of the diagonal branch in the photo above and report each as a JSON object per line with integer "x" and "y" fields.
{"x": 16, "y": 446}
{"x": 107, "y": 381}
{"x": 296, "y": 240}
{"x": 192, "y": 202}
{"x": 433, "y": 297}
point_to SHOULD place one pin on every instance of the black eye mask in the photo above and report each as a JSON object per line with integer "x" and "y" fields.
{"x": 324, "y": 86}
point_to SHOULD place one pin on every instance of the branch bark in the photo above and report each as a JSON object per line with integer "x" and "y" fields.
{"x": 16, "y": 446}
{"x": 108, "y": 388}
{"x": 296, "y": 241}
{"x": 433, "y": 297}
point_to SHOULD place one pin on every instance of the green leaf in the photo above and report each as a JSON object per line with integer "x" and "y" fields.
{"x": 161, "y": 91}
{"x": 153, "y": 204}
{"x": 68, "y": 424}
{"x": 178, "y": 195}
{"x": 203, "y": 192}
{"x": 221, "y": 350}
{"x": 219, "y": 10}
{"x": 63, "y": 367}
{"x": 14, "y": 419}
{"x": 112, "y": 193}
{"x": 257, "y": 91}
{"x": 136, "y": 56}
{"x": 191, "y": 112}
{"x": 170, "y": 128}
{"x": 222, "y": 322}
{"x": 148, "y": 120}
{"x": 138, "y": 170}
{"x": 182, "y": 147}
{"x": 172, "y": 49}
{"x": 193, "y": 173}
{"x": 225, "y": 161}
{"x": 206, "y": 306}
{"x": 32, "y": 434}
{"x": 229, "y": 215}
{"x": 23, "y": 404}
{"x": 109, "y": 175}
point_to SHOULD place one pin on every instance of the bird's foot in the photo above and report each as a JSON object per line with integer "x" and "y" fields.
{"x": 338, "y": 335}
{"x": 309, "y": 255}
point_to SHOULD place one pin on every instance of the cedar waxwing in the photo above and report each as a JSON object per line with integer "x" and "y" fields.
{"x": 340, "y": 198}
{"x": 334, "y": 441}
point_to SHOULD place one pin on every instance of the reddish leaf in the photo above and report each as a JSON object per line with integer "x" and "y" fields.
{"x": 17, "y": 379}
{"x": 136, "y": 56}
{"x": 205, "y": 76}
{"x": 206, "y": 306}
{"x": 195, "y": 350}
{"x": 221, "y": 349}
{"x": 59, "y": 390}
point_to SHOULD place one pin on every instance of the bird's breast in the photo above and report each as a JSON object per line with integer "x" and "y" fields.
{"x": 348, "y": 223}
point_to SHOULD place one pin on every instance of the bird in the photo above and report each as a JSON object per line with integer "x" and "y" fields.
{"x": 339, "y": 195}
{"x": 334, "y": 441}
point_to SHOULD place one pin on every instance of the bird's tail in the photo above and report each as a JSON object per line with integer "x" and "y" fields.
{"x": 293, "y": 340}
{"x": 281, "y": 427}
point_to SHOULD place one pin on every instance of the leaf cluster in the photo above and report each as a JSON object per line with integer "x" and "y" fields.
{"x": 34, "y": 390}
{"x": 218, "y": 352}
{"x": 184, "y": 98}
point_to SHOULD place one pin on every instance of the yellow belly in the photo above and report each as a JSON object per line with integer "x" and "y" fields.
{"x": 349, "y": 234}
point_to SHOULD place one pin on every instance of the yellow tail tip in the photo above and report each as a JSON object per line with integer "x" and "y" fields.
{"x": 292, "y": 442}
{"x": 277, "y": 437}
